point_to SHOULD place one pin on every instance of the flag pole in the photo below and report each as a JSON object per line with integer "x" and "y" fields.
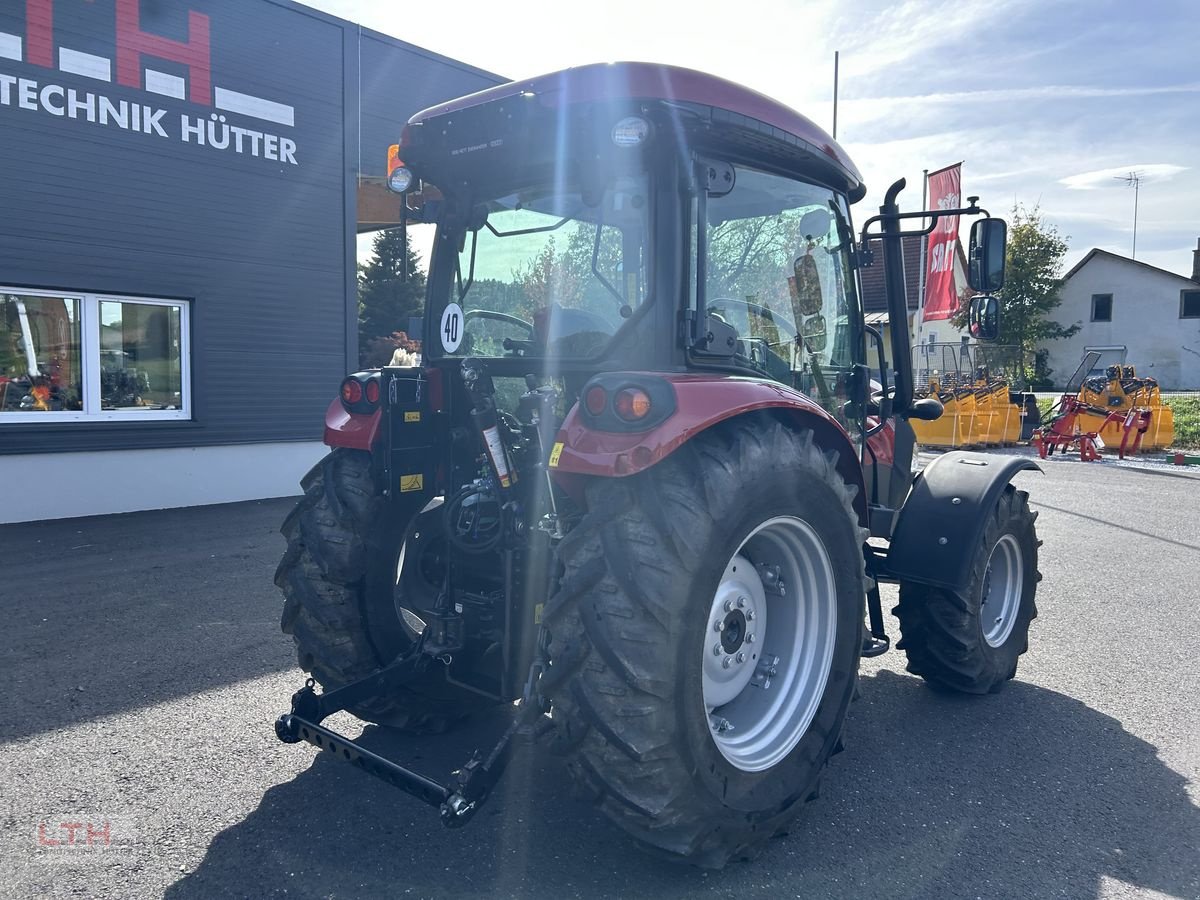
{"x": 920, "y": 315}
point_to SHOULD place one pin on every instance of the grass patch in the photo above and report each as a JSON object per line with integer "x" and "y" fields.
{"x": 1187, "y": 421}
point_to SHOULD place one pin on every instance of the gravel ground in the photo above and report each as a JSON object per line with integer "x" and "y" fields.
{"x": 145, "y": 668}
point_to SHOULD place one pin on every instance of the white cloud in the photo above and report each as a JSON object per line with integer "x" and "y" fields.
{"x": 1146, "y": 172}
{"x": 863, "y": 106}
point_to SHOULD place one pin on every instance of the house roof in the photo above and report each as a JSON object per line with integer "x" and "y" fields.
{"x": 1095, "y": 251}
{"x": 874, "y": 296}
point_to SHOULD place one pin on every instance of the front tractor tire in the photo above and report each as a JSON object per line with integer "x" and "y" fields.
{"x": 341, "y": 599}
{"x": 705, "y": 639}
{"x": 971, "y": 641}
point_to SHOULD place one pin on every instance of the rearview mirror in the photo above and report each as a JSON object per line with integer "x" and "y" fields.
{"x": 983, "y": 318}
{"x": 985, "y": 268}
{"x": 812, "y": 332}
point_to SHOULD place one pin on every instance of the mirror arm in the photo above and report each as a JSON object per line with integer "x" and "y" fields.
{"x": 867, "y": 257}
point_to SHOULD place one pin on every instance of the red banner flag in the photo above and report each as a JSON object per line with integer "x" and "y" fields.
{"x": 941, "y": 296}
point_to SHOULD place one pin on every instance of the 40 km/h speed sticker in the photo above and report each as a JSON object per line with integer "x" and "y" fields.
{"x": 452, "y": 327}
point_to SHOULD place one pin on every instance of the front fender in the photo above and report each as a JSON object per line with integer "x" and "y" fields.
{"x": 702, "y": 401}
{"x": 944, "y": 517}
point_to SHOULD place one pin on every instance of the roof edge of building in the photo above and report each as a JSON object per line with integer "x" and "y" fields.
{"x": 1095, "y": 251}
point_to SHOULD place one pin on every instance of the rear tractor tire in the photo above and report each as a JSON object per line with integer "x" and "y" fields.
{"x": 971, "y": 642}
{"x": 342, "y": 602}
{"x": 706, "y": 637}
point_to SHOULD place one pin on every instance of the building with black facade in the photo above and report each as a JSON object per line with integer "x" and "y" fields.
{"x": 181, "y": 186}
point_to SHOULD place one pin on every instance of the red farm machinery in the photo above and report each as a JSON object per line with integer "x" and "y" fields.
{"x": 630, "y": 487}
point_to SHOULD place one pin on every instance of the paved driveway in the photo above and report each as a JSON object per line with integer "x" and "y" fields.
{"x": 144, "y": 667}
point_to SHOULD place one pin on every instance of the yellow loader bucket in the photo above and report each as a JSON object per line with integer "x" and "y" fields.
{"x": 986, "y": 425}
{"x": 1010, "y": 433}
{"x": 1161, "y": 433}
{"x": 942, "y": 432}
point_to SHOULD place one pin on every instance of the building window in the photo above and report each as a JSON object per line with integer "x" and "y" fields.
{"x": 1101, "y": 307}
{"x": 90, "y": 357}
{"x": 1189, "y": 304}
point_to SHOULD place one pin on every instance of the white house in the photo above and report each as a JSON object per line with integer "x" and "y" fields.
{"x": 1134, "y": 313}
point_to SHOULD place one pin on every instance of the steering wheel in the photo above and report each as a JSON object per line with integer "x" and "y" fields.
{"x": 512, "y": 345}
{"x": 499, "y": 317}
{"x": 765, "y": 312}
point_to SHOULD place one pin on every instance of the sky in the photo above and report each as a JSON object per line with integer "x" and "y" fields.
{"x": 1048, "y": 103}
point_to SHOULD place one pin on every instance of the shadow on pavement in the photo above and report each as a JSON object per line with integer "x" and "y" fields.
{"x": 111, "y": 613}
{"x": 1026, "y": 793}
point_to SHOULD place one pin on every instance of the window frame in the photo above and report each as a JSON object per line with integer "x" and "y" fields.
{"x": 1183, "y": 305}
{"x": 89, "y": 362}
{"x": 1096, "y": 297}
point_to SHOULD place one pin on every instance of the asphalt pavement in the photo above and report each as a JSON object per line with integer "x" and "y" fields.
{"x": 143, "y": 669}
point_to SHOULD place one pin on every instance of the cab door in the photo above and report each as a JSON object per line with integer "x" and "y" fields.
{"x": 774, "y": 263}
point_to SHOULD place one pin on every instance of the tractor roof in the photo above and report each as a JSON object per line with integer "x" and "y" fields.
{"x": 648, "y": 81}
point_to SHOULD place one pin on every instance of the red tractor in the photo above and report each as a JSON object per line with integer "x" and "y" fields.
{"x": 631, "y": 485}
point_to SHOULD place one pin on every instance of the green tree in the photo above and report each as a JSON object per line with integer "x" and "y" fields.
{"x": 386, "y": 299}
{"x": 1032, "y": 281}
{"x": 547, "y": 278}
{"x": 577, "y": 266}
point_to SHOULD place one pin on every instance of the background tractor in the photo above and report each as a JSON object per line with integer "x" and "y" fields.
{"x": 631, "y": 486}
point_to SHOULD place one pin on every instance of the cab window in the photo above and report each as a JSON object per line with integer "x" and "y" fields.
{"x": 777, "y": 269}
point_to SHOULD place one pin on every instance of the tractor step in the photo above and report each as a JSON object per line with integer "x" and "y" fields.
{"x": 874, "y": 642}
{"x": 875, "y": 646}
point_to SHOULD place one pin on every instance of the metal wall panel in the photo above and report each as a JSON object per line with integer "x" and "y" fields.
{"x": 263, "y": 249}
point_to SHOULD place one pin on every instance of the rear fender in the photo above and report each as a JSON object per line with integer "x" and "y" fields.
{"x": 702, "y": 401}
{"x": 357, "y": 431}
{"x": 944, "y": 517}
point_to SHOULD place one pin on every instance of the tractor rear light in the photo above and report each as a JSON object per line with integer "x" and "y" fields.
{"x": 596, "y": 400}
{"x": 372, "y": 391}
{"x": 352, "y": 391}
{"x": 626, "y": 402}
{"x": 632, "y": 404}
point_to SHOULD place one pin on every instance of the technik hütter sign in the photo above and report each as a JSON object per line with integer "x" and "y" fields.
{"x": 238, "y": 123}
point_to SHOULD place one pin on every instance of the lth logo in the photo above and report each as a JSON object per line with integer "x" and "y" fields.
{"x": 132, "y": 44}
{"x": 135, "y": 48}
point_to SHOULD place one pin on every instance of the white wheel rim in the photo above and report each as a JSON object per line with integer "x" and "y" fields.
{"x": 768, "y": 643}
{"x": 1000, "y": 600}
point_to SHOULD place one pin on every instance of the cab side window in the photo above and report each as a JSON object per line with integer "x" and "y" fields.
{"x": 778, "y": 271}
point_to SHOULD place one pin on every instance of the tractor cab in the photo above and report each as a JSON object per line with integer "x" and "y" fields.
{"x": 621, "y": 217}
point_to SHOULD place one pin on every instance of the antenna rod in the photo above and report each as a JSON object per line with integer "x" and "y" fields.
{"x": 1137, "y": 183}
{"x": 1134, "y": 180}
{"x": 835, "y": 92}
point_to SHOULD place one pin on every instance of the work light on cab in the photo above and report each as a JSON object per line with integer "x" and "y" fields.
{"x": 399, "y": 176}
